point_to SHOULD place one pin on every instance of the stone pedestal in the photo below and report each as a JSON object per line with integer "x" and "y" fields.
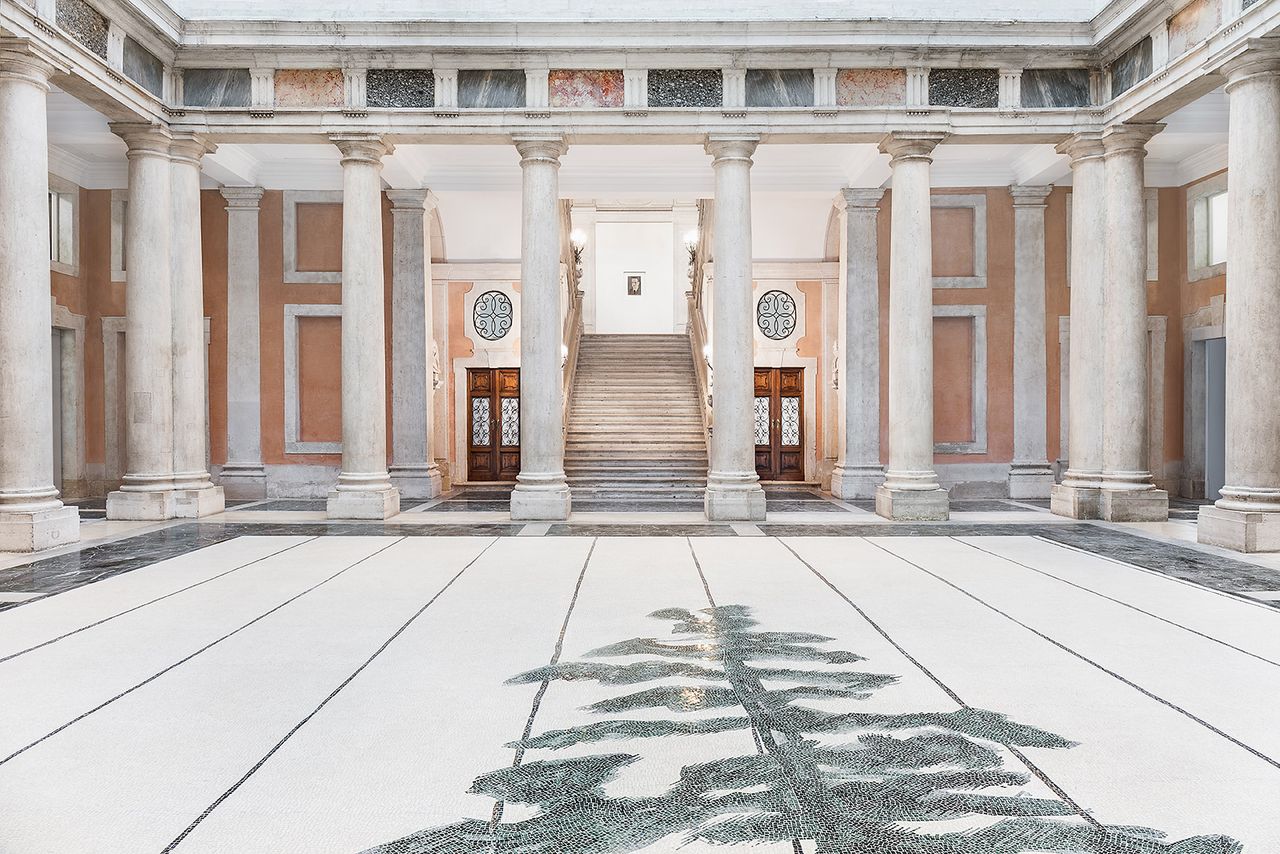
{"x": 1134, "y": 505}
{"x": 1030, "y": 480}
{"x": 733, "y": 487}
{"x": 911, "y": 490}
{"x": 1239, "y": 530}
{"x": 1076, "y": 502}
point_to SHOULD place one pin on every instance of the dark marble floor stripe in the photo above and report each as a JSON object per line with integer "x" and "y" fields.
{"x": 150, "y": 602}
{"x": 300, "y": 724}
{"x": 715, "y": 530}
{"x": 1089, "y": 661}
{"x": 153, "y": 677}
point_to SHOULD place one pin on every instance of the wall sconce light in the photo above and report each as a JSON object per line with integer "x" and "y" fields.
{"x": 564, "y": 355}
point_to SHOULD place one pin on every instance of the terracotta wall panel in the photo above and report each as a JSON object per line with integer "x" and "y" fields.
{"x": 320, "y": 379}
{"x": 953, "y": 242}
{"x": 953, "y": 379}
{"x": 318, "y": 251}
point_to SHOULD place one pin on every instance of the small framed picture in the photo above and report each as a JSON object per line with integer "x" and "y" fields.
{"x": 633, "y": 284}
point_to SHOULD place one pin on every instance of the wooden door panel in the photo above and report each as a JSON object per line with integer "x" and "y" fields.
{"x": 493, "y": 424}
{"x": 778, "y": 423}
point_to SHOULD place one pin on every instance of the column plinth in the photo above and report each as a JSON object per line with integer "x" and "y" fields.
{"x": 1079, "y": 494}
{"x": 541, "y": 492}
{"x": 1029, "y": 474}
{"x": 32, "y": 516}
{"x": 858, "y": 472}
{"x": 1247, "y": 516}
{"x": 911, "y": 490}
{"x": 364, "y": 489}
{"x": 733, "y": 492}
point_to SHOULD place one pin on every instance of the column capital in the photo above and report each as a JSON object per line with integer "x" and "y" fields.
{"x": 540, "y": 148}
{"x": 730, "y": 147}
{"x": 910, "y": 145}
{"x": 1081, "y": 146}
{"x": 416, "y": 201}
{"x": 1261, "y": 58}
{"x": 22, "y": 59}
{"x": 859, "y": 198}
{"x": 1029, "y": 195}
{"x": 144, "y": 138}
{"x": 242, "y": 198}
{"x": 189, "y": 148}
{"x": 367, "y": 148}
{"x": 1129, "y": 138}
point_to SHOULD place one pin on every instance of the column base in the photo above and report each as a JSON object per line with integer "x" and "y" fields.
{"x": 850, "y": 482}
{"x": 1134, "y": 505}
{"x": 551, "y": 502}
{"x": 1030, "y": 480}
{"x": 243, "y": 481}
{"x": 1239, "y": 530}
{"x": 151, "y": 506}
{"x": 198, "y": 503}
{"x": 1076, "y": 502}
{"x": 417, "y": 481}
{"x": 735, "y": 502}
{"x": 35, "y": 531}
{"x": 375, "y": 504}
{"x": 913, "y": 505}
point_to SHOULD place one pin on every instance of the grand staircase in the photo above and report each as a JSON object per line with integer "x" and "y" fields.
{"x": 635, "y": 421}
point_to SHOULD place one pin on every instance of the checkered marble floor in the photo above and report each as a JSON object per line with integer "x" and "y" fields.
{"x": 956, "y": 690}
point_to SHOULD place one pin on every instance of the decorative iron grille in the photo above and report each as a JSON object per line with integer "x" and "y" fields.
{"x": 492, "y": 315}
{"x": 776, "y": 315}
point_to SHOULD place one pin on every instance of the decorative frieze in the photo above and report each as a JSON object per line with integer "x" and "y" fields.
{"x": 577, "y": 88}
{"x": 1194, "y": 23}
{"x": 494, "y": 90}
{"x": 673, "y": 87}
{"x": 964, "y": 87}
{"x": 871, "y": 87}
{"x": 309, "y": 87}
{"x": 400, "y": 87}
{"x": 1055, "y": 87}
{"x": 143, "y": 67}
{"x": 1130, "y": 67}
{"x": 215, "y": 87}
{"x": 780, "y": 87}
{"x": 85, "y": 24}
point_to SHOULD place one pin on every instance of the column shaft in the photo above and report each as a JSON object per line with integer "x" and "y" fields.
{"x": 733, "y": 487}
{"x": 911, "y": 489}
{"x": 243, "y": 475}
{"x": 858, "y": 471}
{"x": 1078, "y": 496}
{"x": 1029, "y": 475}
{"x": 1128, "y": 493}
{"x": 364, "y": 489}
{"x": 541, "y": 492}
{"x": 31, "y": 515}
{"x": 1247, "y": 516}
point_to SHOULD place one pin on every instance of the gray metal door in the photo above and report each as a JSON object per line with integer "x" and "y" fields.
{"x": 1215, "y": 417}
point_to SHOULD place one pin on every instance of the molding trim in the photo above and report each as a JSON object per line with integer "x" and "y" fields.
{"x": 292, "y": 198}
{"x": 978, "y": 203}
{"x": 979, "y": 394}
{"x": 292, "y": 397}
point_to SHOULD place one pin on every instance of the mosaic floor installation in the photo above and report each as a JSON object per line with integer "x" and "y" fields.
{"x": 939, "y": 693}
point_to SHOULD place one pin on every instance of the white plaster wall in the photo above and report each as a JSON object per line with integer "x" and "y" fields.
{"x": 789, "y": 226}
{"x": 481, "y": 226}
{"x": 634, "y": 247}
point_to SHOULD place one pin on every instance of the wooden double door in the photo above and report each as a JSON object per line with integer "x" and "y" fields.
{"x": 778, "y": 421}
{"x": 493, "y": 424}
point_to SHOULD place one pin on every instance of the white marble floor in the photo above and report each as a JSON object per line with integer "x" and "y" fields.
{"x": 579, "y": 694}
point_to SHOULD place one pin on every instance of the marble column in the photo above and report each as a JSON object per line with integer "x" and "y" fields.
{"x": 1079, "y": 494}
{"x": 911, "y": 490}
{"x": 243, "y": 475}
{"x": 1247, "y": 516}
{"x": 414, "y": 471}
{"x": 541, "y": 491}
{"x": 1128, "y": 491}
{"x": 32, "y": 517}
{"x": 364, "y": 489}
{"x": 1029, "y": 475}
{"x": 194, "y": 494}
{"x": 858, "y": 471}
{"x": 148, "y": 488}
{"x": 733, "y": 487}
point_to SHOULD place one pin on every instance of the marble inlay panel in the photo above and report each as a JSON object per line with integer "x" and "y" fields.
{"x": 215, "y": 87}
{"x": 401, "y": 87}
{"x": 85, "y": 24}
{"x": 1055, "y": 87}
{"x": 674, "y": 87}
{"x": 1192, "y": 25}
{"x": 143, "y": 67}
{"x": 1132, "y": 66}
{"x": 871, "y": 87}
{"x": 585, "y": 88}
{"x": 779, "y": 87}
{"x": 495, "y": 90}
{"x": 309, "y": 87}
{"x": 964, "y": 87}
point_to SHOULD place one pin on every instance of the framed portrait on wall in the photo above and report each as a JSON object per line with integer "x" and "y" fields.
{"x": 634, "y": 282}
